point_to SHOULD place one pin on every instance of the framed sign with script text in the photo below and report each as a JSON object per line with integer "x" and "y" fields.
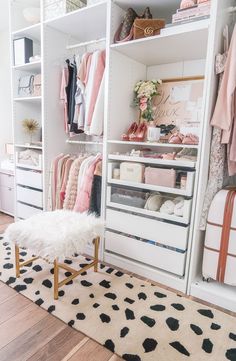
{"x": 179, "y": 102}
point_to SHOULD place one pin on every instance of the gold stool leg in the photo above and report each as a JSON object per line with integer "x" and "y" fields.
{"x": 96, "y": 250}
{"x": 17, "y": 261}
{"x": 56, "y": 276}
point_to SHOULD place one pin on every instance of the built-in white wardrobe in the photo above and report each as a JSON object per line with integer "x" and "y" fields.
{"x": 174, "y": 255}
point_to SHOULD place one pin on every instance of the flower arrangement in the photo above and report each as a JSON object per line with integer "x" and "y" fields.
{"x": 144, "y": 91}
{"x": 30, "y": 127}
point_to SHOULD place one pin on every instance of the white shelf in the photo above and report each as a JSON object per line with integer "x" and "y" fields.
{"x": 174, "y": 163}
{"x": 28, "y": 99}
{"x": 30, "y": 167}
{"x": 87, "y": 23}
{"x": 33, "y": 31}
{"x": 149, "y": 187}
{"x": 169, "y": 48}
{"x": 216, "y": 293}
{"x": 147, "y": 144}
{"x": 146, "y": 212}
{"x": 30, "y": 67}
{"x": 28, "y": 146}
{"x": 84, "y": 142}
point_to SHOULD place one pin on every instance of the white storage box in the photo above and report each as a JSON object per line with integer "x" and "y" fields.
{"x": 24, "y": 211}
{"x": 27, "y": 166}
{"x": 155, "y": 256}
{"x": 29, "y": 178}
{"x": 165, "y": 233}
{"x": 56, "y": 8}
{"x": 30, "y": 196}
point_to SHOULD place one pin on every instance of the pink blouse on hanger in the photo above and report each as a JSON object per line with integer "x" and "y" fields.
{"x": 225, "y": 109}
{"x": 96, "y": 84}
{"x": 84, "y": 191}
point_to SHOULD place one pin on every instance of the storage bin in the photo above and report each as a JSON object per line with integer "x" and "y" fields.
{"x": 56, "y": 8}
{"x": 25, "y": 211}
{"x": 162, "y": 232}
{"x": 30, "y": 196}
{"x": 132, "y": 172}
{"x": 160, "y": 177}
{"x": 134, "y": 201}
{"x": 29, "y": 178}
{"x": 27, "y": 166}
{"x": 152, "y": 255}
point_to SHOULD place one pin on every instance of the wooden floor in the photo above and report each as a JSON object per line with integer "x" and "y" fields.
{"x": 27, "y": 332}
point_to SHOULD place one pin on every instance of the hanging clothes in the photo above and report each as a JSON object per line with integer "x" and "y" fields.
{"x": 63, "y": 97}
{"x": 96, "y": 191}
{"x": 225, "y": 109}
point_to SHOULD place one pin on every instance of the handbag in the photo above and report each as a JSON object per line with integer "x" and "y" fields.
{"x": 25, "y": 85}
{"x": 160, "y": 177}
{"x": 132, "y": 172}
{"x": 125, "y": 31}
{"x": 37, "y": 85}
{"x": 144, "y": 28}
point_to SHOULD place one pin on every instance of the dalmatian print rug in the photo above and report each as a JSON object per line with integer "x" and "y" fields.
{"x": 136, "y": 320}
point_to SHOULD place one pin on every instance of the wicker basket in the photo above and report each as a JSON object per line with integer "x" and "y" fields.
{"x": 55, "y": 8}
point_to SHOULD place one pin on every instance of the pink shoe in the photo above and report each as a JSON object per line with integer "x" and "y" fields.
{"x": 190, "y": 139}
{"x": 176, "y": 138}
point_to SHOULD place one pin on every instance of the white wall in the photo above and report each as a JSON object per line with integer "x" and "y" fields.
{"x": 5, "y": 92}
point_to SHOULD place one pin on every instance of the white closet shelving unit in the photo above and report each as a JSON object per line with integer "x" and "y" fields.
{"x": 174, "y": 251}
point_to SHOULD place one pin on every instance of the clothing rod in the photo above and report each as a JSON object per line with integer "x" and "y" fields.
{"x": 85, "y": 43}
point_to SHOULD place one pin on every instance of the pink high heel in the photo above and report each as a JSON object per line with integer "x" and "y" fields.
{"x": 176, "y": 138}
{"x": 140, "y": 134}
{"x": 132, "y": 129}
{"x": 190, "y": 139}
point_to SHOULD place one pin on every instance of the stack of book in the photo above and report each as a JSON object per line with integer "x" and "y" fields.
{"x": 192, "y": 13}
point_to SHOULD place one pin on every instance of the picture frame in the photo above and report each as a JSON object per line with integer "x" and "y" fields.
{"x": 179, "y": 102}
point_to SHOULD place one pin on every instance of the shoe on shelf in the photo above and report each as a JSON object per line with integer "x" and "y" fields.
{"x": 140, "y": 133}
{"x": 176, "y": 138}
{"x": 132, "y": 129}
{"x": 190, "y": 139}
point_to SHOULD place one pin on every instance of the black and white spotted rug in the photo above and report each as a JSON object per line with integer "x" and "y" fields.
{"x": 132, "y": 318}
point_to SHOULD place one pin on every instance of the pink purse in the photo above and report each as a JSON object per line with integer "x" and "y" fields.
{"x": 160, "y": 177}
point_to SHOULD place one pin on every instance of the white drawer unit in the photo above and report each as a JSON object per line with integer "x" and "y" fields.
{"x": 30, "y": 196}
{"x": 29, "y": 178}
{"x": 25, "y": 211}
{"x": 151, "y": 229}
{"x": 152, "y": 255}
{"x": 6, "y": 180}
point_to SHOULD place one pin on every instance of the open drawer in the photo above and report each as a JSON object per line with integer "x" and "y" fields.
{"x": 25, "y": 211}
{"x": 186, "y": 190}
{"x": 134, "y": 201}
{"x": 30, "y": 196}
{"x": 29, "y": 178}
{"x": 150, "y": 254}
{"x": 162, "y": 232}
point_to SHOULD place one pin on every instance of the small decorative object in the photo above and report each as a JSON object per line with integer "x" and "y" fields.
{"x": 30, "y": 127}
{"x": 55, "y": 8}
{"x": 23, "y": 50}
{"x": 144, "y": 91}
{"x": 116, "y": 173}
{"x": 187, "y": 4}
{"x": 32, "y": 15}
{"x": 183, "y": 182}
{"x": 153, "y": 132}
{"x": 144, "y": 28}
{"x": 34, "y": 58}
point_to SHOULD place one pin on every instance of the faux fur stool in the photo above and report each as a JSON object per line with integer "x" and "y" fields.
{"x": 55, "y": 236}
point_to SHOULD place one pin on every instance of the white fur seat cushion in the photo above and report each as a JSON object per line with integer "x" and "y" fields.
{"x": 55, "y": 234}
